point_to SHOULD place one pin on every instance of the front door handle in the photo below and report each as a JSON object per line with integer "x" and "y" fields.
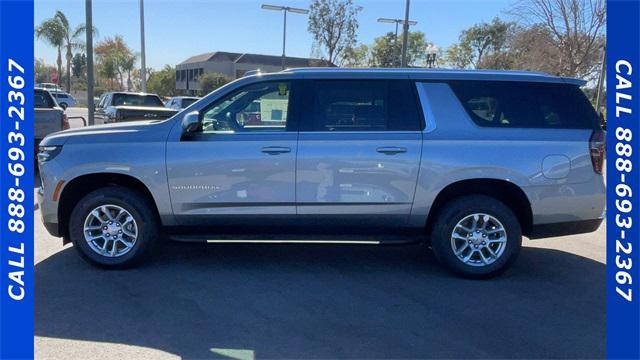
{"x": 391, "y": 150}
{"x": 275, "y": 150}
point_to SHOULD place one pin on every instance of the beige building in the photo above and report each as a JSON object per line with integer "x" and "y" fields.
{"x": 234, "y": 65}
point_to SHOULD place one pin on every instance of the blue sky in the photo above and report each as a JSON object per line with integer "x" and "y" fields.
{"x": 178, "y": 29}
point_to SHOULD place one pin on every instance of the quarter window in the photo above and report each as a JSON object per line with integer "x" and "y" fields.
{"x": 525, "y": 105}
{"x": 257, "y": 107}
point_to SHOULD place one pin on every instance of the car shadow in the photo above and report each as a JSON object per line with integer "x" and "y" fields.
{"x": 326, "y": 301}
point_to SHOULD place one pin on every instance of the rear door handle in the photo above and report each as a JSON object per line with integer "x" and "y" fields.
{"x": 275, "y": 150}
{"x": 391, "y": 150}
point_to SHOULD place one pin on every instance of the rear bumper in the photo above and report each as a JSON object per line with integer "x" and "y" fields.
{"x": 564, "y": 228}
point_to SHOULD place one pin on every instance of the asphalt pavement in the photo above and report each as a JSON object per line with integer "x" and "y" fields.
{"x": 320, "y": 301}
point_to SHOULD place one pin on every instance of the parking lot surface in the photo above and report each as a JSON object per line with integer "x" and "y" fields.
{"x": 320, "y": 301}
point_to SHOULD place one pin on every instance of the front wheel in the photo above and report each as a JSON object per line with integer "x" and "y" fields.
{"x": 476, "y": 236}
{"x": 114, "y": 227}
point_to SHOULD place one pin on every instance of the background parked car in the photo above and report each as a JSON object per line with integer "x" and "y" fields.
{"x": 64, "y": 99}
{"x": 49, "y": 117}
{"x": 130, "y": 106}
{"x": 49, "y": 86}
{"x": 181, "y": 102}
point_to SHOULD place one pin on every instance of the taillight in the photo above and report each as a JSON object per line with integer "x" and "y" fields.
{"x": 597, "y": 149}
{"x": 65, "y": 122}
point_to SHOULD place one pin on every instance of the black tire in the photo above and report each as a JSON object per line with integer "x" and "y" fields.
{"x": 138, "y": 206}
{"x": 458, "y": 209}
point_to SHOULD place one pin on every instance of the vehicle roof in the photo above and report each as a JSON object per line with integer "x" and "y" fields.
{"x": 132, "y": 93}
{"x": 186, "y": 97}
{"x": 429, "y": 74}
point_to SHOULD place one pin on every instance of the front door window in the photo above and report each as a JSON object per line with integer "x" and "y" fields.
{"x": 257, "y": 107}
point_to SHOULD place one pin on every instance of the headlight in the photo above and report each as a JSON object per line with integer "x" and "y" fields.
{"x": 46, "y": 153}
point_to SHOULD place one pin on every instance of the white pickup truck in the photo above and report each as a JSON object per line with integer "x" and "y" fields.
{"x": 49, "y": 117}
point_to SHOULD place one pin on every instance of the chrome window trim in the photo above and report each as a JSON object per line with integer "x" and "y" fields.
{"x": 363, "y": 132}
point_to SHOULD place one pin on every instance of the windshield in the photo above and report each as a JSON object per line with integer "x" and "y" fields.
{"x": 136, "y": 100}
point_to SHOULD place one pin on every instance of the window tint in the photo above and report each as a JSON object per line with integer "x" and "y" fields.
{"x": 41, "y": 100}
{"x": 363, "y": 105}
{"x": 525, "y": 105}
{"x": 257, "y": 107}
{"x": 102, "y": 101}
{"x": 136, "y": 100}
{"x": 187, "y": 101}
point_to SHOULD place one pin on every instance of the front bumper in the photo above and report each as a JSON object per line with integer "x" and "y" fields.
{"x": 51, "y": 226}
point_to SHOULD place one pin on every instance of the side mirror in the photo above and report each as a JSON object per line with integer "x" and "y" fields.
{"x": 63, "y": 106}
{"x": 191, "y": 122}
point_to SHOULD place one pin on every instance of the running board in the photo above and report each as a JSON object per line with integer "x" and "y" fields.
{"x": 361, "y": 242}
{"x": 250, "y": 239}
{"x": 294, "y": 239}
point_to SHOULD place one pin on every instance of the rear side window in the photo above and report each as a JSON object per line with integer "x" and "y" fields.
{"x": 136, "y": 100}
{"x": 42, "y": 100}
{"x": 186, "y": 102}
{"x": 525, "y": 105}
{"x": 362, "y": 105}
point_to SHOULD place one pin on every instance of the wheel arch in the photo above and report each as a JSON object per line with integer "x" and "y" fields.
{"x": 80, "y": 186}
{"x": 507, "y": 192}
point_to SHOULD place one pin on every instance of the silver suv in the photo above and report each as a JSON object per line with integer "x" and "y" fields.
{"x": 467, "y": 161}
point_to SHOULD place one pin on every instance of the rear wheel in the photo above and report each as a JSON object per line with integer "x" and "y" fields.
{"x": 476, "y": 236}
{"x": 114, "y": 227}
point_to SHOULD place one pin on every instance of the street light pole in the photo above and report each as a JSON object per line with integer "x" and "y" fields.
{"x": 89, "y": 39}
{"x": 405, "y": 35}
{"x": 284, "y": 9}
{"x": 397, "y": 22}
{"x": 284, "y": 39}
{"x": 601, "y": 76}
{"x": 143, "y": 69}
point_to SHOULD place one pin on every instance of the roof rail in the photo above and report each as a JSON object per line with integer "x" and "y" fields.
{"x": 252, "y": 72}
{"x": 413, "y": 70}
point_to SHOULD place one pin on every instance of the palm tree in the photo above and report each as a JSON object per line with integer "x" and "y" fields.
{"x": 52, "y": 31}
{"x": 128, "y": 64}
{"x": 71, "y": 40}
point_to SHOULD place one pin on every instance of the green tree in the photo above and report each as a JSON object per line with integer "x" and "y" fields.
{"x": 78, "y": 65}
{"x": 128, "y": 65}
{"x": 211, "y": 81}
{"x": 107, "y": 70}
{"x": 333, "y": 25}
{"x": 163, "y": 82}
{"x": 53, "y": 32}
{"x": 459, "y": 56}
{"x": 356, "y": 56}
{"x": 113, "y": 55}
{"x": 386, "y": 50}
{"x": 483, "y": 46}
